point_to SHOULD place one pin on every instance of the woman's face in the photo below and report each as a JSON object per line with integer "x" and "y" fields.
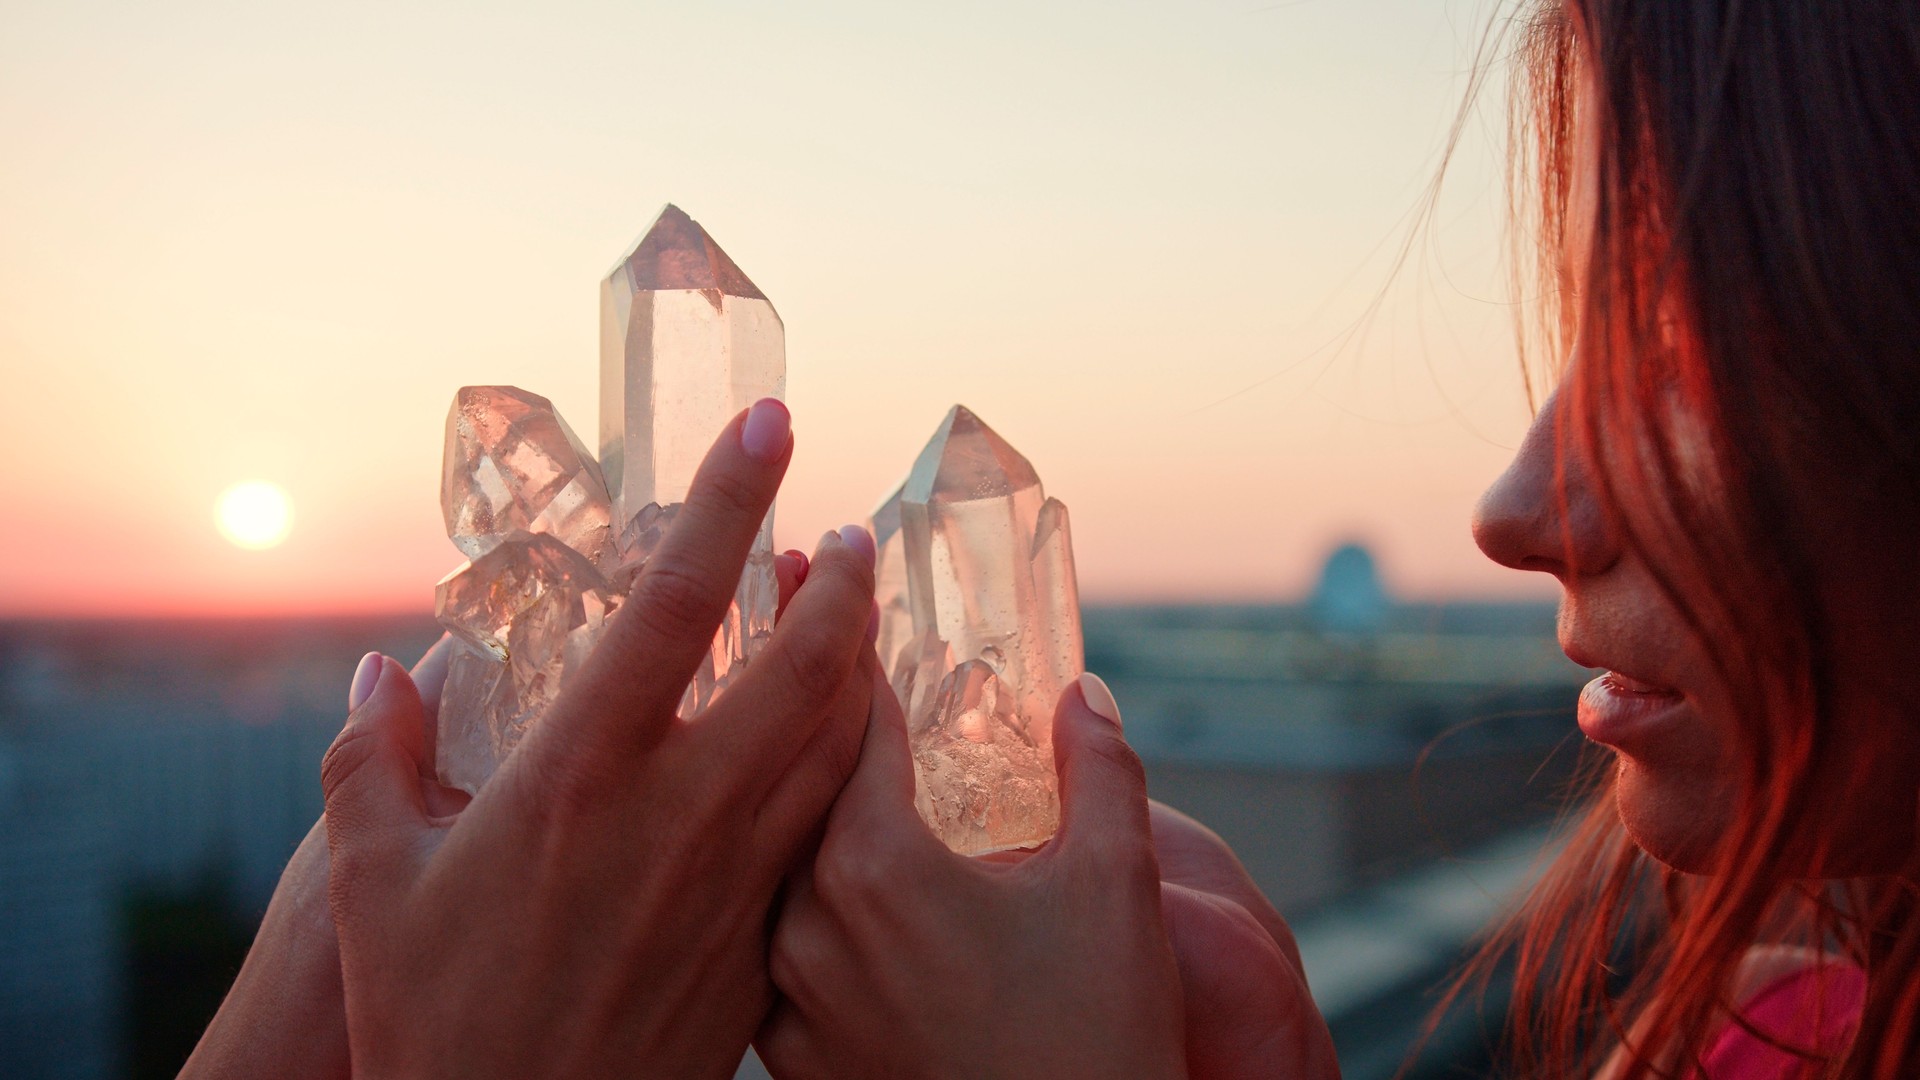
{"x": 1657, "y": 702}
{"x": 1682, "y": 751}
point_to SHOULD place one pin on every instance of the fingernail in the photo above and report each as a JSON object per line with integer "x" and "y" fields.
{"x": 1099, "y": 699}
{"x": 765, "y": 434}
{"x": 365, "y": 678}
{"x": 800, "y": 557}
{"x": 858, "y": 539}
{"x": 873, "y": 623}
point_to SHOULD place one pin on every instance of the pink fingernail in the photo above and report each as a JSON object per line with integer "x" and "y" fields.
{"x": 1099, "y": 698}
{"x": 365, "y": 678}
{"x": 857, "y": 538}
{"x": 768, "y": 429}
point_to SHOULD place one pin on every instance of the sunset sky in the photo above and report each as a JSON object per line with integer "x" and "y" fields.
{"x": 267, "y": 242}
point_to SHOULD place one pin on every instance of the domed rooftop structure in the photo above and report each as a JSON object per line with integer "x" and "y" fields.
{"x": 1350, "y": 598}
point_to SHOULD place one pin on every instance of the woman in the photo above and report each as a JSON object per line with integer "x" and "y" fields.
{"x": 1724, "y": 200}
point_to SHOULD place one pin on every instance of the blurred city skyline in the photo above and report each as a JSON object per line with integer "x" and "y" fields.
{"x": 1150, "y": 244}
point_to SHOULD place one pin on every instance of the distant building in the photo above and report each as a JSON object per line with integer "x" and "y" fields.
{"x": 1350, "y": 598}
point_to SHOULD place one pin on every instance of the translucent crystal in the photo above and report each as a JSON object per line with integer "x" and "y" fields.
{"x": 980, "y": 634}
{"x": 513, "y": 465}
{"x": 555, "y": 538}
{"x": 686, "y": 342}
{"x": 524, "y": 615}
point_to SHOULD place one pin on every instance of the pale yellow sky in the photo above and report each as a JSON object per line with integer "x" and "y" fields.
{"x": 255, "y": 241}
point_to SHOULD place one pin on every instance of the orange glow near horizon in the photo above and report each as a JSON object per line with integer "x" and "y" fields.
{"x": 259, "y": 244}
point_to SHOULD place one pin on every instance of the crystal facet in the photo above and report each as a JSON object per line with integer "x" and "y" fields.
{"x": 512, "y": 464}
{"x": 686, "y": 342}
{"x": 979, "y": 633}
{"x": 524, "y": 616}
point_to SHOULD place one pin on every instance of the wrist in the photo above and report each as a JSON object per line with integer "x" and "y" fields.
{"x": 285, "y": 1014}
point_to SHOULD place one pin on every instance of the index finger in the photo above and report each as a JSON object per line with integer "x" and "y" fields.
{"x": 629, "y": 690}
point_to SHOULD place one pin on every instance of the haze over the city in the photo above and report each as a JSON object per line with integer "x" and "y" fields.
{"x": 267, "y": 242}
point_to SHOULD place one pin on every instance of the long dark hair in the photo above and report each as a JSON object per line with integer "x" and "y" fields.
{"x": 1748, "y": 329}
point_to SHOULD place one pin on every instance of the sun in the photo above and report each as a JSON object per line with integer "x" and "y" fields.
{"x": 254, "y": 514}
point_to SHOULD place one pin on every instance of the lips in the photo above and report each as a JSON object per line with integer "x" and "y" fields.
{"x": 1629, "y": 715}
{"x": 1627, "y": 684}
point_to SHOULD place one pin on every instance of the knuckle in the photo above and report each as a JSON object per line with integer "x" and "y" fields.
{"x": 350, "y": 753}
{"x": 844, "y": 571}
{"x": 812, "y": 667}
{"x": 671, "y": 600}
{"x": 733, "y": 494}
{"x": 1114, "y": 755}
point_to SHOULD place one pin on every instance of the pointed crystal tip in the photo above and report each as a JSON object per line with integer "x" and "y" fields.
{"x": 677, "y": 253}
{"x": 967, "y": 460}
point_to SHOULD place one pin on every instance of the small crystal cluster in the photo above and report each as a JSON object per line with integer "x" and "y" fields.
{"x": 979, "y": 634}
{"x": 554, "y": 538}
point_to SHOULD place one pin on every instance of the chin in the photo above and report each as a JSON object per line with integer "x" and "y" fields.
{"x": 1675, "y": 819}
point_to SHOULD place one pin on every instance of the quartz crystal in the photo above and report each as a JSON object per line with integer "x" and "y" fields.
{"x": 979, "y": 634}
{"x": 524, "y": 616}
{"x": 512, "y": 464}
{"x": 554, "y": 537}
{"x": 686, "y": 342}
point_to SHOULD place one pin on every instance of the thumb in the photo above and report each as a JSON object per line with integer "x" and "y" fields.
{"x": 1103, "y": 786}
{"x": 371, "y": 776}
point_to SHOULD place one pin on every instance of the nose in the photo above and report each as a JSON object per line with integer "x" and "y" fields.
{"x": 1541, "y": 513}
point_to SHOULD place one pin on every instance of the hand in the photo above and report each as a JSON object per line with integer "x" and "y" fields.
{"x": 897, "y": 957}
{"x": 284, "y": 1016}
{"x": 602, "y": 906}
{"x": 1248, "y": 1009}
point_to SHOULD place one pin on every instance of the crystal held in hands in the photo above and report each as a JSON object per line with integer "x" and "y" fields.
{"x": 555, "y": 537}
{"x": 525, "y": 615}
{"x": 513, "y": 465}
{"x": 979, "y": 635}
{"x": 686, "y": 342}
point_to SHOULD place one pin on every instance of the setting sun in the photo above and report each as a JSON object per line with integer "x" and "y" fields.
{"x": 254, "y": 515}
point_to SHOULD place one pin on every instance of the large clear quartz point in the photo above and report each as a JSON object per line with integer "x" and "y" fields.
{"x": 524, "y": 616}
{"x": 513, "y": 465}
{"x": 555, "y": 538}
{"x": 686, "y": 342}
{"x": 979, "y": 634}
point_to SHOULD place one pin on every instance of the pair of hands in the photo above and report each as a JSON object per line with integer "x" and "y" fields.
{"x": 627, "y": 892}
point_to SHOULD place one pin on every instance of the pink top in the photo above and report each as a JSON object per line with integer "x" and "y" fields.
{"x": 1816, "y": 1008}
